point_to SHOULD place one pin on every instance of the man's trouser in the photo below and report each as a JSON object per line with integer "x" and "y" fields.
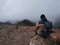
{"x": 36, "y": 32}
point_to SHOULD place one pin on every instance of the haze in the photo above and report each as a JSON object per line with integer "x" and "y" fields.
{"x": 16, "y": 10}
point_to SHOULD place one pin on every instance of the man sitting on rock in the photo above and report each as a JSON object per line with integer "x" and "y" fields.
{"x": 47, "y": 28}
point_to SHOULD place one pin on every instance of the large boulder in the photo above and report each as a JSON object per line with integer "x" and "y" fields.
{"x": 37, "y": 40}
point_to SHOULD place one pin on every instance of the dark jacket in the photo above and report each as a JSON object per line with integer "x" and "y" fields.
{"x": 47, "y": 25}
{"x": 47, "y": 28}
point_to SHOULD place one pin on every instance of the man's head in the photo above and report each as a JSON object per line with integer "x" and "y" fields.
{"x": 43, "y": 17}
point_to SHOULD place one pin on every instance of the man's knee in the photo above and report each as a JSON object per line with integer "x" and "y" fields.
{"x": 35, "y": 32}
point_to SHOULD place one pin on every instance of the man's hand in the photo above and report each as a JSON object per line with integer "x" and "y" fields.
{"x": 40, "y": 26}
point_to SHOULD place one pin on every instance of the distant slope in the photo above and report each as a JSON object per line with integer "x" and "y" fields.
{"x": 26, "y": 22}
{"x": 8, "y": 23}
{"x": 57, "y": 23}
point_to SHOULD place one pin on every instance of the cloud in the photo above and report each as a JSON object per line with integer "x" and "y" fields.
{"x": 14, "y": 10}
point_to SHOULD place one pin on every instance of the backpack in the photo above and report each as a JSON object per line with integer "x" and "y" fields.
{"x": 48, "y": 25}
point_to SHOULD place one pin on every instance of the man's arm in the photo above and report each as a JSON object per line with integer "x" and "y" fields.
{"x": 36, "y": 26}
{"x": 35, "y": 29}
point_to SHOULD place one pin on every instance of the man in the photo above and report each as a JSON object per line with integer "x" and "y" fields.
{"x": 47, "y": 26}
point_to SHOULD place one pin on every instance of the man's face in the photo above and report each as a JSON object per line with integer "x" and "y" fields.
{"x": 43, "y": 18}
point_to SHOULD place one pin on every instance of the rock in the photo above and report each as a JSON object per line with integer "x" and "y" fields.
{"x": 37, "y": 40}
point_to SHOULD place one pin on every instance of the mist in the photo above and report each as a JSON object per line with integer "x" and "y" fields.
{"x": 16, "y": 10}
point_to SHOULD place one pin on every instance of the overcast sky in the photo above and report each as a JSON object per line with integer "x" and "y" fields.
{"x": 14, "y": 10}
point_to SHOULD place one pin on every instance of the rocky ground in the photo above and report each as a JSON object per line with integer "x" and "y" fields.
{"x": 9, "y": 35}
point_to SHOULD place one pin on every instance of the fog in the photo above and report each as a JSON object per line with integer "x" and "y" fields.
{"x": 16, "y": 10}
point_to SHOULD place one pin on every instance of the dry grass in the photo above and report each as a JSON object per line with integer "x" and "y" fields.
{"x": 9, "y": 35}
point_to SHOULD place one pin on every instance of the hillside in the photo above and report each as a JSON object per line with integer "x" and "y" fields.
{"x": 9, "y": 35}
